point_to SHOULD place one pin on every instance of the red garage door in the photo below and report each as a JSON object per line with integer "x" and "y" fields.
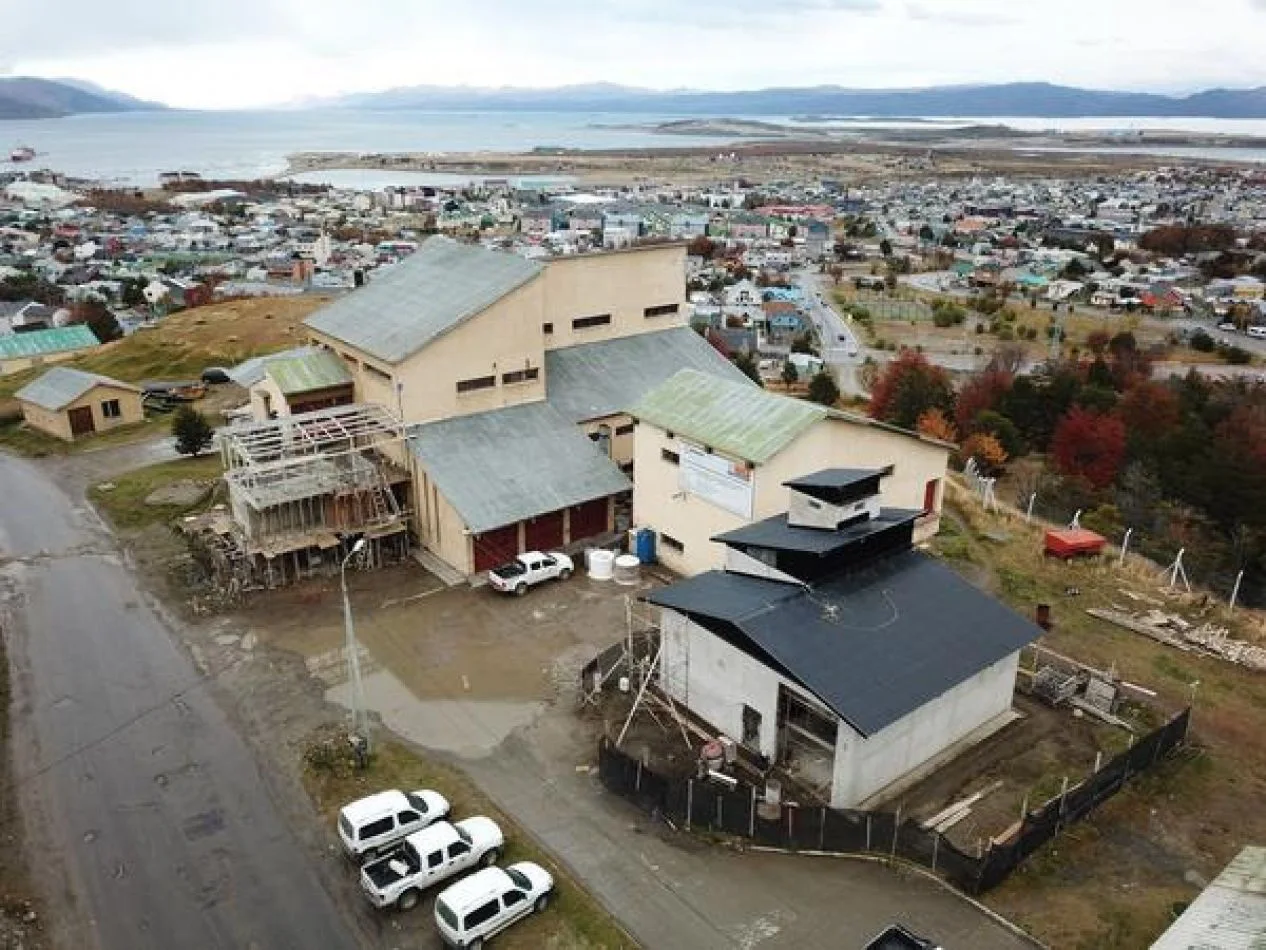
{"x": 496, "y": 547}
{"x": 589, "y": 520}
{"x": 544, "y": 533}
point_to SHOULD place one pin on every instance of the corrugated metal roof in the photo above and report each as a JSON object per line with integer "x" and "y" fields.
{"x": 248, "y": 372}
{"x": 593, "y": 380}
{"x": 874, "y": 645}
{"x": 62, "y": 385}
{"x": 1229, "y": 914}
{"x": 500, "y": 467}
{"x": 431, "y": 291}
{"x": 740, "y": 420}
{"x": 309, "y": 372}
{"x": 40, "y": 342}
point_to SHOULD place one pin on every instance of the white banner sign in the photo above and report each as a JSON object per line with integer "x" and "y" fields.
{"x": 717, "y": 480}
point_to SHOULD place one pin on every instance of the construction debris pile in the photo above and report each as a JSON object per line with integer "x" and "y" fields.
{"x": 1177, "y": 632}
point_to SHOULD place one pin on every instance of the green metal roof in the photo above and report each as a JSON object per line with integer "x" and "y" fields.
{"x": 735, "y": 418}
{"x": 40, "y": 342}
{"x": 308, "y": 373}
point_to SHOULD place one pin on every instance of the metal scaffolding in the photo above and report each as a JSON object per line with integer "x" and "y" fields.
{"x": 299, "y": 488}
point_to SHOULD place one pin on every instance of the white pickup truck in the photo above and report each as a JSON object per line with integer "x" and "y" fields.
{"x": 528, "y": 570}
{"x": 428, "y": 857}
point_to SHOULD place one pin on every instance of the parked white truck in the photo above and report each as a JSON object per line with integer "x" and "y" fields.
{"x": 528, "y": 570}
{"x": 428, "y": 857}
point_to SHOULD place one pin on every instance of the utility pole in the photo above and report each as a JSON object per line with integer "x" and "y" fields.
{"x": 359, "y": 735}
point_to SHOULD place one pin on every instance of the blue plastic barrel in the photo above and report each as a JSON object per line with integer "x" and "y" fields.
{"x": 646, "y": 546}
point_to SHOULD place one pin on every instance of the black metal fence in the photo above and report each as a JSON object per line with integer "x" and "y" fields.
{"x": 706, "y": 805}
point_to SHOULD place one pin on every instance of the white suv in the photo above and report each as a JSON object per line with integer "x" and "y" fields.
{"x": 481, "y": 906}
{"x": 371, "y": 825}
{"x": 428, "y": 857}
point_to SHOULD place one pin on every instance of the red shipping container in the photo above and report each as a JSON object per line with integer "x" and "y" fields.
{"x": 1074, "y": 542}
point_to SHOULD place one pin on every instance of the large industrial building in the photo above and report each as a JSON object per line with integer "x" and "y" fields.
{"x": 497, "y": 390}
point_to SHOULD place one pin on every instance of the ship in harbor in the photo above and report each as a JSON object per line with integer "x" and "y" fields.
{"x": 23, "y": 153}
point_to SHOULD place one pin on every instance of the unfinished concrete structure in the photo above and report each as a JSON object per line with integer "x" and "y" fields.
{"x": 300, "y": 488}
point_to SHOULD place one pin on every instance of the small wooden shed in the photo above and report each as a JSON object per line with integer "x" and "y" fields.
{"x": 69, "y": 403}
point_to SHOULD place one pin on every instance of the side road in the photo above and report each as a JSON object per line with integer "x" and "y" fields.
{"x": 671, "y": 890}
{"x": 153, "y": 826}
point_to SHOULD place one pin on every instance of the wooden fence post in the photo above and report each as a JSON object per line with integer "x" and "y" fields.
{"x": 751, "y": 815}
{"x": 690, "y": 800}
{"x": 868, "y": 831}
{"x": 822, "y": 828}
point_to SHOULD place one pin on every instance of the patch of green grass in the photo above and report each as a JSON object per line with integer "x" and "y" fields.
{"x": 22, "y": 439}
{"x": 1018, "y": 586}
{"x": 123, "y": 500}
{"x": 574, "y": 919}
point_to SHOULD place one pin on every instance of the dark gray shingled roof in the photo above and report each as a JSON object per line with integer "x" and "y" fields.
{"x": 777, "y": 533}
{"x": 593, "y": 380}
{"x": 500, "y": 467}
{"x": 873, "y": 645}
{"x": 434, "y": 289}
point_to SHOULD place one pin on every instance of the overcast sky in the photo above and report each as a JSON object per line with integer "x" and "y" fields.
{"x": 243, "y": 53}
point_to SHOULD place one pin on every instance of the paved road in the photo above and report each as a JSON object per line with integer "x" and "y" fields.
{"x": 672, "y": 891}
{"x": 841, "y": 350}
{"x": 145, "y": 809}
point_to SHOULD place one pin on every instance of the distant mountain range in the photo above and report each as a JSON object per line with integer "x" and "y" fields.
{"x": 1032, "y": 99}
{"x": 28, "y": 98}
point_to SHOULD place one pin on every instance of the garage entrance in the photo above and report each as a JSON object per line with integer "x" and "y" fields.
{"x": 495, "y": 547}
{"x": 544, "y": 533}
{"x": 588, "y": 520}
{"x": 81, "y": 421}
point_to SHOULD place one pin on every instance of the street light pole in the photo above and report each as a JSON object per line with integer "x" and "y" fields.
{"x": 356, "y": 692}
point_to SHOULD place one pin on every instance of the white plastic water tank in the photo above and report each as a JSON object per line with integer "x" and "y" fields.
{"x": 589, "y": 553}
{"x": 601, "y": 565}
{"x": 628, "y": 569}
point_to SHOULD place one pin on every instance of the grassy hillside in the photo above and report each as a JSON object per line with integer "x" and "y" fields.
{"x": 185, "y": 343}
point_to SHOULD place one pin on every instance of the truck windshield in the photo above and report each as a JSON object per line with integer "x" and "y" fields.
{"x": 519, "y": 878}
{"x": 464, "y": 835}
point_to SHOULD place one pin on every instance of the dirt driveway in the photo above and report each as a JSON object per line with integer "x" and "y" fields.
{"x": 488, "y": 682}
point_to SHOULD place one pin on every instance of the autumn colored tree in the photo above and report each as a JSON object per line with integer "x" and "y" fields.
{"x": 908, "y": 388}
{"x": 988, "y": 452}
{"x": 935, "y": 425}
{"x": 1150, "y": 412}
{"x": 1089, "y": 447}
{"x": 984, "y": 391}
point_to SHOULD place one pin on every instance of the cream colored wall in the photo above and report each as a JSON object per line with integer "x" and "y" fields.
{"x": 267, "y": 396}
{"x": 19, "y": 363}
{"x": 622, "y": 284}
{"x": 57, "y": 423}
{"x": 54, "y": 423}
{"x": 621, "y": 445}
{"x": 658, "y": 502}
{"x": 439, "y": 527}
{"x": 504, "y": 338}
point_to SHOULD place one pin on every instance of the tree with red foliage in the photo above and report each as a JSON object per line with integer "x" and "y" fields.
{"x": 718, "y": 343}
{"x": 908, "y": 388}
{"x": 982, "y": 392}
{"x": 1149, "y": 411}
{"x": 1089, "y": 447}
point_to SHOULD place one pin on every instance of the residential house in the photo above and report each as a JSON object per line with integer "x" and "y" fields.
{"x": 712, "y": 456}
{"x": 830, "y": 647}
{"x": 298, "y": 383}
{"x": 69, "y": 403}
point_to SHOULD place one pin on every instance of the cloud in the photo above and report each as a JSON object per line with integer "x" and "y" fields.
{"x": 962, "y": 15}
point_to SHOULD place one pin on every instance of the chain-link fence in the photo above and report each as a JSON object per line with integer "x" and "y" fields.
{"x": 702, "y": 804}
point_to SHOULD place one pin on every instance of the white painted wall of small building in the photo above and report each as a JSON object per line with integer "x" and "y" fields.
{"x": 864, "y": 766}
{"x": 715, "y": 680}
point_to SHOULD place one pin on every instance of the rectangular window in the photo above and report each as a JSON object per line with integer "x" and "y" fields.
{"x": 669, "y": 456}
{"x": 548, "y": 328}
{"x": 581, "y": 323}
{"x": 625, "y": 430}
{"x": 661, "y": 311}
{"x": 111, "y": 409}
{"x": 480, "y": 382}
{"x": 482, "y": 914}
{"x": 521, "y": 376}
{"x": 671, "y": 543}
